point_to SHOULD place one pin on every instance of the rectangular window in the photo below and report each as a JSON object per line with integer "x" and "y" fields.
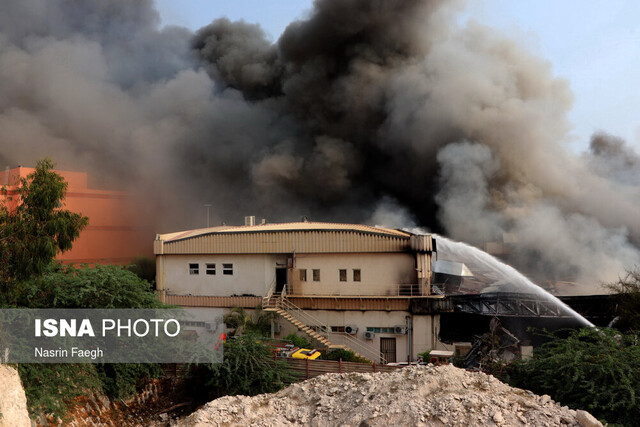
{"x": 316, "y": 275}
{"x": 343, "y": 275}
{"x": 194, "y": 268}
{"x": 356, "y": 275}
{"x": 303, "y": 275}
{"x": 211, "y": 269}
{"x": 227, "y": 269}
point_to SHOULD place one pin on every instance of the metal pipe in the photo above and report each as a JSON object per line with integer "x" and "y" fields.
{"x": 409, "y": 339}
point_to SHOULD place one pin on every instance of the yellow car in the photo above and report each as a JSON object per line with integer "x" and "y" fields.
{"x": 304, "y": 353}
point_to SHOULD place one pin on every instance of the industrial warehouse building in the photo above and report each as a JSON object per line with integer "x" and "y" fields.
{"x": 347, "y": 285}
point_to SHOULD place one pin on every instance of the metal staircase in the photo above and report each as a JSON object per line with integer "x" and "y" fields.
{"x": 317, "y": 330}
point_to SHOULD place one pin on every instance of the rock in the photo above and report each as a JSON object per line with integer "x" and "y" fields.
{"x": 498, "y": 418}
{"x": 585, "y": 419}
{"x": 410, "y": 396}
{"x": 13, "y": 402}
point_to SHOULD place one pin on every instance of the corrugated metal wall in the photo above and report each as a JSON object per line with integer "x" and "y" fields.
{"x": 284, "y": 242}
{"x": 345, "y": 303}
{"x": 210, "y": 301}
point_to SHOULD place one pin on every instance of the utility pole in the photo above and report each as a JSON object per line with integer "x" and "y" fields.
{"x": 208, "y": 206}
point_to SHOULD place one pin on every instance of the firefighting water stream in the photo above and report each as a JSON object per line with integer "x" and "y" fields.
{"x": 492, "y": 275}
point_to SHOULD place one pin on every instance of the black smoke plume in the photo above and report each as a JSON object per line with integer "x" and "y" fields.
{"x": 367, "y": 111}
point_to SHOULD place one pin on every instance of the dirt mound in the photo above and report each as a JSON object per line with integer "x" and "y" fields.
{"x": 423, "y": 395}
{"x": 13, "y": 402}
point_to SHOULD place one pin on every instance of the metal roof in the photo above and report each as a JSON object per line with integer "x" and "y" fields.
{"x": 300, "y": 237}
{"x": 287, "y": 226}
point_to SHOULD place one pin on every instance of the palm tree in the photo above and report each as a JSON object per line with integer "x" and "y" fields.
{"x": 241, "y": 321}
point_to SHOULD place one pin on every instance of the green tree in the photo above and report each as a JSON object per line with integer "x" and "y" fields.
{"x": 102, "y": 286}
{"x": 51, "y": 388}
{"x": 38, "y": 229}
{"x": 30, "y": 238}
{"x": 591, "y": 369}
{"x": 628, "y": 305}
{"x": 241, "y": 321}
{"x": 249, "y": 368}
{"x": 144, "y": 267}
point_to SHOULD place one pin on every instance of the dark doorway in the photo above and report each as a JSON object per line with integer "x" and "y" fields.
{"x": 281, "y": 279}
{"x": 388, "y": 349}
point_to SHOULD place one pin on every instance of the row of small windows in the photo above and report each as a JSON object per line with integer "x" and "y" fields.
{"x": 210, "y": 269}
{"x": 381, "y": 330}
{"x": 342, "y": 273}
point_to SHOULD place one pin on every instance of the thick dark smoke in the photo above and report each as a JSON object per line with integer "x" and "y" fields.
{"x": 368, "y": 111}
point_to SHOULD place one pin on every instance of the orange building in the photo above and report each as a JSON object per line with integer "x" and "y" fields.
{"x": 116, "y": 232}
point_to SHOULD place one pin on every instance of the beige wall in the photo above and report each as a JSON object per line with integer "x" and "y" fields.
{"x": 252, "y": 274}
{"x": 380, "y": 273}
{"x": 422, "y": 337}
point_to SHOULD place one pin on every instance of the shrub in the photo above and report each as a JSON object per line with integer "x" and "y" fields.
{"x": 51, "y": 388}
{"x": 590, "y": 369}
{"x": 298, "y": 341}
{"x": 345, "y": 355}
{"x": 249, "y": 368}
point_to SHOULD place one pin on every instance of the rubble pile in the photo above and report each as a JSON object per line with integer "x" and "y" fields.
{"x": 421, "y": 395}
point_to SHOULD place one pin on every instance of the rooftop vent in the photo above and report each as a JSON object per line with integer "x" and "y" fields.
{"x": 249, "y": 221}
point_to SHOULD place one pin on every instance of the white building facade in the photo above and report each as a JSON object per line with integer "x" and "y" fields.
{"x": 368, "y": 286}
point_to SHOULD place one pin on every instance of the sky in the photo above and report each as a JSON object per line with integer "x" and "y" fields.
{"x": 593, "y": 44}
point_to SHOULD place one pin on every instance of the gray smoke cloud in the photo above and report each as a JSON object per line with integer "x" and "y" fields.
{"x": 367, "y": 111}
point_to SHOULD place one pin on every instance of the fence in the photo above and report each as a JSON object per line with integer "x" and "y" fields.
{"x": 305, "y": 368}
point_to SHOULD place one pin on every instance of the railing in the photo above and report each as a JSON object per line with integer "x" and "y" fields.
{"x": 305, "y": 368}
{"x": 325, "y": 331}
{"x": 368, "y": 291}
{"x": 266, "y": 300}
{"x": 341, "y": 338}
{"x": 303, "y": 316}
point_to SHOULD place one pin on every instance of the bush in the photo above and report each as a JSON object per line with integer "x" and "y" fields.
{"x": 425, "y": 355}
{"x": 51, "y": 388}
{"x": 298, "y": 341}
{"x": 249, "y": 368}
{"x": 590, "y": 369}
{"x": 345, "y": 355}
{"x": 102, "y": 286}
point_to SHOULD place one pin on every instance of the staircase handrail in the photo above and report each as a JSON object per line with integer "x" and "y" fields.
{"x": 324, "y": 330}
{"x": 358, "y": 346}
{"x": 304, "y": 317}
{"x": 266, "y": 300}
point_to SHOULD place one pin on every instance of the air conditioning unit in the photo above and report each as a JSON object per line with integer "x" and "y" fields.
{"x": 369, "y": 335}
{"x": 350, "y": 329}
{"x": 400, "y": 329}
